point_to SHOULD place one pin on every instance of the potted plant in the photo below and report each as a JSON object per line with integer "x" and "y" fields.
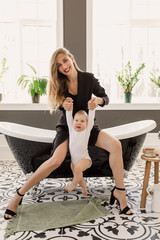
{"x": 36, "y": 85}
{"x": 3, "y": 70}
{"x": 128, "y": 80}
{"x": 155, "y": 78}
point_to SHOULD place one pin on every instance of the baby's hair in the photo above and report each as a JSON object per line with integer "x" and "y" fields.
{"x": 82, "y": 112}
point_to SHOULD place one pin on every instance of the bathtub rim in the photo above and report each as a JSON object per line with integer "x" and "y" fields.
{"x": 47, "y": 136}
{"x": 44, "y": 136}
{"x": 146, "y": 126}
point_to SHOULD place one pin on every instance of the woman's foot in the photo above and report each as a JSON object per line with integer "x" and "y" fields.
{"x": 13, "y": 205}
{"x": 120, "y": 195}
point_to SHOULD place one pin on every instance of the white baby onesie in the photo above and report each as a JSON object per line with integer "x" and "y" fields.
{"x": 78, "y": 141}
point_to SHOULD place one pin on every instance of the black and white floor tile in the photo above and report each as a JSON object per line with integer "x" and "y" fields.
{"x": 144, "y": 224}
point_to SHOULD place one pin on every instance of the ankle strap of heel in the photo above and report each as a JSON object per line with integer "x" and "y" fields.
{"x": 17, "y": 191}
{"x": 121, "y": 189}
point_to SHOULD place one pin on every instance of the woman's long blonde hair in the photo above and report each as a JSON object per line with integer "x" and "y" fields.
{"x": 57, "y": 83}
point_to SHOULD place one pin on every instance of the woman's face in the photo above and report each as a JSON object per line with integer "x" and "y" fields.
{"x": 65, "y": 64}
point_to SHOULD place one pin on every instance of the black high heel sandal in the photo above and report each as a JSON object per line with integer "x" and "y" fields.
{"x": 113, "y": 198}
{"x": 10, "y": 212}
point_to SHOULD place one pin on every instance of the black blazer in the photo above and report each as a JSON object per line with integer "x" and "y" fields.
{"x": 87, "y": 85}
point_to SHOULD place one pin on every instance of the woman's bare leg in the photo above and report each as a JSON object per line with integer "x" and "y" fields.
{"x": 78, "y": 169}
{"x": 113, "y": 146}
{"x": 42, "y": 172}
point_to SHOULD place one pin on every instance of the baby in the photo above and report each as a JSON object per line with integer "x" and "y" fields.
{"x": 79, "y": 132}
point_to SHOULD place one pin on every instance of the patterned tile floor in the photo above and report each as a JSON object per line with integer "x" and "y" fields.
{"x": 141, "y": 225}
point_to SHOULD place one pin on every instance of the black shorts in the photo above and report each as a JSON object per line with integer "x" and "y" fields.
{"x": 94, "y": 135}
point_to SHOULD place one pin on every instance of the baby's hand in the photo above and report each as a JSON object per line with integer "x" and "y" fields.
{"x": 68, "y": 104}
{"x": 92, "y": 104}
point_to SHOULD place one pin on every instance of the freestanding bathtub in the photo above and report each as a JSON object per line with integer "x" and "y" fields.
{"x": 32, "y": 146}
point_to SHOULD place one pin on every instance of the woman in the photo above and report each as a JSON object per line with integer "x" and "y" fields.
{"x": 66, "y": 80}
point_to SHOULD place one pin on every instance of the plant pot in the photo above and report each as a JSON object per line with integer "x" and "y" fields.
{"x": 36, "y": 98}
{"x": 127, "y": 97}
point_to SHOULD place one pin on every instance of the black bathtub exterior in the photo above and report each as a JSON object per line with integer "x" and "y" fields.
{"x": 30, "y": 155}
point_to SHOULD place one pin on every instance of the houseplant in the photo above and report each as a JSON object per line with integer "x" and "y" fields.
{"x": 155, "y": 78}
{"x": 128, "y": 80}
{"x": 3, "y": 70}
{"x": 36, "y": 85}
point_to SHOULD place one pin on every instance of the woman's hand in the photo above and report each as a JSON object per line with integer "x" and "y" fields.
{"x": 93, "y": 103}
{"x": 68, "y": 104}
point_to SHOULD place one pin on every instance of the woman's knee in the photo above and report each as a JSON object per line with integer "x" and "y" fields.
{"x": 118, "y": 146}
{"x": 54, "y": 162}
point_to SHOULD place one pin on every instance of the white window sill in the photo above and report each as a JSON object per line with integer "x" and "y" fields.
{"x": 111, "y": 106}
{"x": 24, "y": 106}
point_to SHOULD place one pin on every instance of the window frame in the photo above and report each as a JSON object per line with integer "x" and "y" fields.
{"x": 19, "y": 50}
{"x": 131, "y": 24}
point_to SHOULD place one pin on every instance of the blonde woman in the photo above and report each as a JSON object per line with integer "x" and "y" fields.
{"x": 66, "y": 80}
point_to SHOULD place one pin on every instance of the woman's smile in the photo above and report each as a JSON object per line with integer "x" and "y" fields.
{"x": 67, "y": 70}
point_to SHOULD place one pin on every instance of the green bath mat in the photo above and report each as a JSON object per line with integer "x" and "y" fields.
{"x": 48, "y": 215}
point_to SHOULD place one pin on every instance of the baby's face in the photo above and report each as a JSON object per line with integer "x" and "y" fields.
{"x": 79, "y": 122}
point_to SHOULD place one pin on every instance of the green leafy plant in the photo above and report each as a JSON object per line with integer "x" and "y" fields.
{"x": 36, "y": 85}
{"x": 3, "y": 68}
{"x": 155, "y": 78}
{"x": 127, "y": 79}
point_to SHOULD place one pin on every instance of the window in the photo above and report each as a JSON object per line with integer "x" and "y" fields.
{"x": 124, "y": 30}
{"x": 28, "y": 35}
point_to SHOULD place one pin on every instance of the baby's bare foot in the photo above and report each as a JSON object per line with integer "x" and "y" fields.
{"x": 84, "y": 192}
{"x": 84, "y": 187}
{"x": 70, "y": 187}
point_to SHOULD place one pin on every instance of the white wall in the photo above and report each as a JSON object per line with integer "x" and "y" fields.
{"x": 152, "y": 140}
{"x": 5, "y": 153}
